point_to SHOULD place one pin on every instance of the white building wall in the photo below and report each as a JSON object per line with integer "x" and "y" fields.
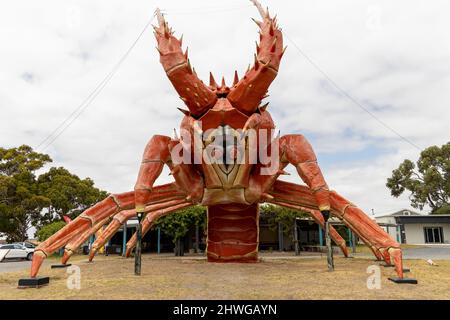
{"x": 414, "y": 232}
{"x": 391, "y": 230}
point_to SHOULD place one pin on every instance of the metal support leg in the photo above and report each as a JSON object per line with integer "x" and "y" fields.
{"x": 197, "y": 239}
{"x": 280, "y": 237}
{"x": 296, "y": 246}
{"x": 159, "y": 241}
{"x": 137, "y": 256}
{"x": 124, "y": 239}
{"x": 91, "y": 241}
{"x": 353, "y": 242}
{"x": 350, "y": 239}
{"x": 330, "y": 259}
{"x": 320, "y": 236}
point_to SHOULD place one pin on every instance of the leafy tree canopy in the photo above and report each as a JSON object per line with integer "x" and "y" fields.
{"x": 48, "y": 230}
{"x": 28, "y": 200}
{"x": 428, "y": 181}
{"x": 177, "y": 224}
{"x": 445, "y": 209}
{"x": 68, "y": 194}
{"x": 283, "y": 216}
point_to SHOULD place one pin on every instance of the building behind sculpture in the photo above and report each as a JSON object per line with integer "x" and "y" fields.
{"x": 409, "y": 227}
{"x": 271, "y": 238}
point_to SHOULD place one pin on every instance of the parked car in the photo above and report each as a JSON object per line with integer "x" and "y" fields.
{"x": 17, "y": 251}
{"x": 26, "y": 244}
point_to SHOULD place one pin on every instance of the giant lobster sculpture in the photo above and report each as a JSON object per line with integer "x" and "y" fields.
{"x": 227, "y": 159}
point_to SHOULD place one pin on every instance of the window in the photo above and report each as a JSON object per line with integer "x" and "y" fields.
{"x": 18, "y": 246}
{"x": 433, "y": 234}
{"x": 8, "y": 247}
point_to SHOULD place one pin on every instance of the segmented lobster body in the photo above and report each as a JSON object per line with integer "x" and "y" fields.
{"x": 226, "y": 158}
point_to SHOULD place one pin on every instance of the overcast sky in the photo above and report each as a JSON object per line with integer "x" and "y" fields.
{"x": 391, "y": 56}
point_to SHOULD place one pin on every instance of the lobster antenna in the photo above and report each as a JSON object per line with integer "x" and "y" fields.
{"x": 260, "y": 8}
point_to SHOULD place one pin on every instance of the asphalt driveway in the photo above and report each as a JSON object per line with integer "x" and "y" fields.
{"x": 14, "y": 265}
{"x": 427, "y": 252}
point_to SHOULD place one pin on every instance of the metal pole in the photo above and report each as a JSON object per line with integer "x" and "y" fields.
{"x": 124, "y": 239}
{"x": 297, "y": 251}
{"x": 280, "y": 237}
{"x": 320, "y": 236}
{"x": 91, "y": 241}
{"x": 353, "y": 242}
{"x": 106, "y": 247}
{"x": 329, "y": 247}
{"x": 197, "y": 238}
{"x": 159, "y": 241}
{"x": 137, "y": 255}
{"x": 350, "y": 240}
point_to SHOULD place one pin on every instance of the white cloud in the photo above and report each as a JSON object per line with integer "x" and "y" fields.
{"x": 392, "y": 56}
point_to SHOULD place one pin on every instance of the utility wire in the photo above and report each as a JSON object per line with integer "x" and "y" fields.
{"x": 344, "y": 93}
{"x": 76, "y": 113}
{"x": 91, "y": 97}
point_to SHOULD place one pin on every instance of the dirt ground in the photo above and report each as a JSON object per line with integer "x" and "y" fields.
{"x": 305, "y": 277}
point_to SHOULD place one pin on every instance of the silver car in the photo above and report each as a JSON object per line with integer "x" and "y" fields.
{"x": 16, "y": 251}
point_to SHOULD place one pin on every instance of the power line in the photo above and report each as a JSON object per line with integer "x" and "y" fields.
{"x": 66, "y": 123}
{"x": 91, "y": 97}
{"x": 344, "y": 93}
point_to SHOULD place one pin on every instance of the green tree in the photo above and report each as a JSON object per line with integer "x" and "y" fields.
{"x": 68, "y": 194}
{"x": 48, "y": 230}
{"x": 445, "y": 209}
{"x": 28, "y": 200}
{"x": 177, "y": 224}
{"x": 20, "y": 203}
{"x": 283, "y": 216}
{"x": 428, "y": 181}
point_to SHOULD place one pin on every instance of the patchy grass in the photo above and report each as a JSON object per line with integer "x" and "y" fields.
{"x": 276, "y": 278}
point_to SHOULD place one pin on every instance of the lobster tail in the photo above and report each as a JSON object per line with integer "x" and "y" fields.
{"x": 194, "y": 93}
{"x": 247, "y": 94}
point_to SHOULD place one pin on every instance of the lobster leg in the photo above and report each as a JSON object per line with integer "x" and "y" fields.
{"x": 368, "y": 230}
{"x": 335, "y": 236}
{"x": 77, "y": 241}
{"x": 156, "y": 154}
{"x": 150, "y": 219}
{"x": 296, "y": 150}
{"x": 104, "y": 209}
{"x": 118, "y": 220}
{"x": 122, "y": 217}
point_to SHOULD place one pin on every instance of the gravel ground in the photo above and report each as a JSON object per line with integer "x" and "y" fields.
{"x": 193, "y": 278}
